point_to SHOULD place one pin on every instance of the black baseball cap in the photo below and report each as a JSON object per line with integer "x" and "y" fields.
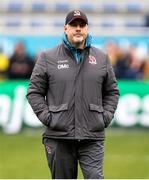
{"x": 75, "y": 14}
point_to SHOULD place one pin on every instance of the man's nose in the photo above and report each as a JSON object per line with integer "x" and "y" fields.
{"x": 78, "y": 27}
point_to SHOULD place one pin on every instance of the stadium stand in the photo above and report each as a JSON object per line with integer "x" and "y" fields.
{"x": 125, "y": 9}
{"x": 105, "y": 16}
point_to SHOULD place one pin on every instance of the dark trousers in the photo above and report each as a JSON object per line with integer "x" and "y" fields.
{"x": 63, "y": 156}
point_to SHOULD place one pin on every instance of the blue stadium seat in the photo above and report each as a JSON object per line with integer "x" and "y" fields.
{"x": 133, "y": 24}
{"x": 36, "y": 24}
{"x": 131, "y": 7}
{"x": 39, "y": 7}
{"x": 110, "y": 7}
{"x": 62, "y": 7}
{"x": 87, "y": 6}
{"x": 58, "y": 24}
{"x": 107, "y": 24}
{"x": 13, "y": 23}
{"x": 15, "y": 6}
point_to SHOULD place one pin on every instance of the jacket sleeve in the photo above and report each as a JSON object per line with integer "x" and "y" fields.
{"x": 37, "y": 90}
{"x": 110, "y": 94}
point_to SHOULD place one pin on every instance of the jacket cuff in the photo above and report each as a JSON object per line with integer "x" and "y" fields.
{"x": 45, "y": 117}
{"x": 107, "y": 116}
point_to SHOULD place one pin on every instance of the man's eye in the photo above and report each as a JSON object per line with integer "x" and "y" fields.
{"x": 73, "y": 24}
{"x": 82, "y": 25}
{"x": 77, "y": 24}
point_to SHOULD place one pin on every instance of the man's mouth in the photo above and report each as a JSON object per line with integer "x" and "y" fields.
{"x": 78, "y": 34}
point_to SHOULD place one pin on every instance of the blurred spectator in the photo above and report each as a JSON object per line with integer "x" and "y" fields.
{"x": 146, "y": 68}
{"x": 119, "y": 59}
{"x": 4, "y": 63}
{"x": 147, "y": 20}
{"x": 127, "y": 64}
{"x": 112, "y": 48}
{"x": 135, "y": 70}
{"x": 21, "y": 64}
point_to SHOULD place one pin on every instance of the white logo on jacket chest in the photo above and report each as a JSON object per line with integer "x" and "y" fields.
{"x": 92, "y": 60}
{"x": 63, "y": 66}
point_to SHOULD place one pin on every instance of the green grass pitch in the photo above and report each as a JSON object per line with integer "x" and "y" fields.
{"x": 126, "y": 155}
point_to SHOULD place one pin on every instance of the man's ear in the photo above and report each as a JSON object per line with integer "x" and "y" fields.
{"x": 65, "y": 27}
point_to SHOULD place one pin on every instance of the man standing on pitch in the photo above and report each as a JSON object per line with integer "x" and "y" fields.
{"x": 73, "y": 91}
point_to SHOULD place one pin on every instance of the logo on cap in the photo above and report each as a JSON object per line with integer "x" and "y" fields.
{"x": 74, "y": 15}
{"x": 77, "y": 13}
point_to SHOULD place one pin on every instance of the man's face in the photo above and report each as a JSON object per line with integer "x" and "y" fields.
{"x": 76, "y": 32}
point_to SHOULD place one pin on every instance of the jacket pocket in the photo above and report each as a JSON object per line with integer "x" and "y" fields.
{"x": 59, "y": 116}
{"x": 96, "y": 122}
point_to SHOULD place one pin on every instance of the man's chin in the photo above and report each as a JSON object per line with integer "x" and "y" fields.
{"x": 78, "y": 40}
